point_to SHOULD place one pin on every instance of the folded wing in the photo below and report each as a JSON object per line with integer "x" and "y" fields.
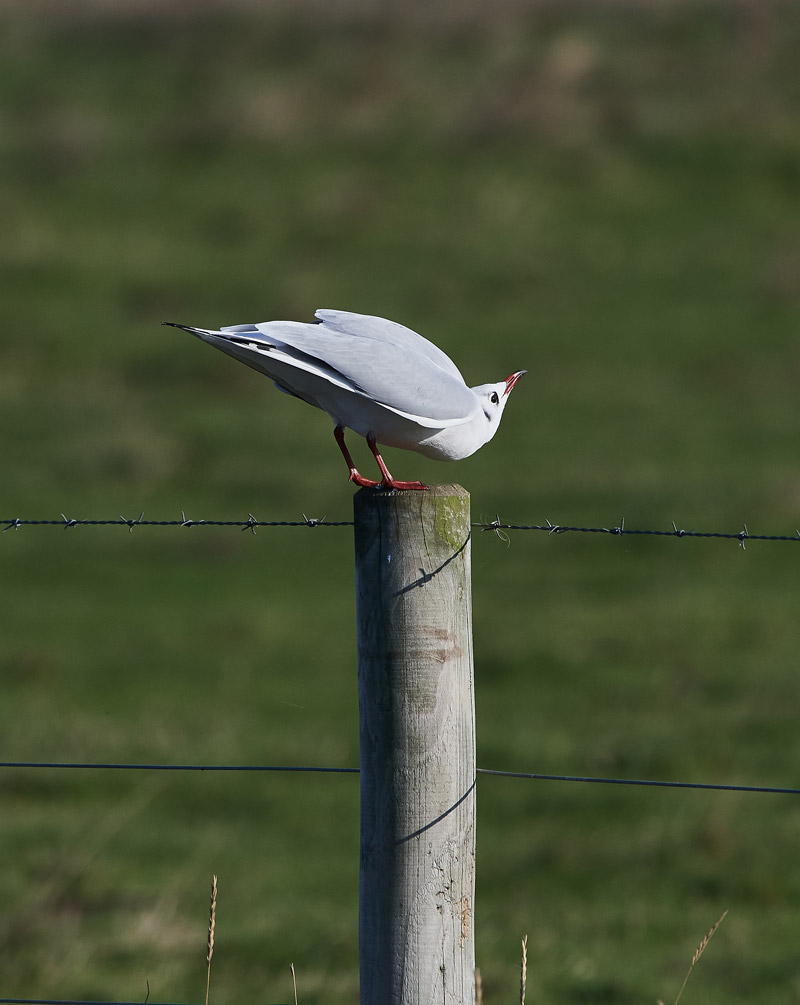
{"x": 368, "y": 356}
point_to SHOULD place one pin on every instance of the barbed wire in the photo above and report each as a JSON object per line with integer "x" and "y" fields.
{"x": 531, "y": 776}
{"x": 496, "y": 526}
{"x": 620, "y": 530}
{"x": 251, "y": 523}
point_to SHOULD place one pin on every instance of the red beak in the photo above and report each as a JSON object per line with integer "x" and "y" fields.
{"x": 511, "y": 381}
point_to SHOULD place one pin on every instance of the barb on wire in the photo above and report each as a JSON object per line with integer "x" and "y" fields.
{"x": 313, "y": 521}
{"x": 497, "y": 527}
{"x": 132, "y": 523}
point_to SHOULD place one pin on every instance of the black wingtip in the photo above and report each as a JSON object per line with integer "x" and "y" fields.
{"x": 185, "y": 328}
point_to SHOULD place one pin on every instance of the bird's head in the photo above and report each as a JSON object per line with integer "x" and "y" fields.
{"x": 492, "y": 399}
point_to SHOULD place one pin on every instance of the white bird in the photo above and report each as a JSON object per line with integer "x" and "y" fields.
{"x": 373, "y": 376}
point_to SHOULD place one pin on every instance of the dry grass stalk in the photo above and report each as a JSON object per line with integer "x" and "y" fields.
{"x": 294, "y": 982}
{"x": 523, "y": 972}
{"x": 699, "y": 952}
{"x": 478, "y": 987}
{"x": 212, "y": 923}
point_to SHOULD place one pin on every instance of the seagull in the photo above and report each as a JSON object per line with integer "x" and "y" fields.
{"x": 376, "y": 377}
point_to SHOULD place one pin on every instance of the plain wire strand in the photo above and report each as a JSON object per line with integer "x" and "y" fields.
{"x": 650, "y": 783}
{"x": 70, "y": 1001}
{"x": 176, "y": 767}
{"x": 78, "y": 1001}
{"x": 531, "y": 776}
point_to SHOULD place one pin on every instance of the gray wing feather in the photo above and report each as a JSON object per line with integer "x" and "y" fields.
{"x": 380, "y": 359}
{"x": 382, "y": 330}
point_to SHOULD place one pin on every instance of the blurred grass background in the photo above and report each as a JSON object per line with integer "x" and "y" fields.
{"x": 606, "y": 194}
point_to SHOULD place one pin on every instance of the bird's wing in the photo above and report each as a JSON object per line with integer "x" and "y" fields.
{"x": 380, "y": 329}
{"x": 392, "y": 366}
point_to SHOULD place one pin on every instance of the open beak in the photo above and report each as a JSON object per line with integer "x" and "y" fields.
{"x": 511, "y": 381}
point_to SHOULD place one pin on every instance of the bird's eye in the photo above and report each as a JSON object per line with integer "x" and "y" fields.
{"x": 493, "y": 398}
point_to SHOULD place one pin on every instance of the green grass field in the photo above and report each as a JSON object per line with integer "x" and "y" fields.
{"x": 606, "y": 195}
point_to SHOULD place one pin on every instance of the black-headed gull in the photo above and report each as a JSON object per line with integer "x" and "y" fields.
{"x": 373, "y": 376}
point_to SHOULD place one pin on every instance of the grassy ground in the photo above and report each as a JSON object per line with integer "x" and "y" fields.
{"x": 605, "y": 195}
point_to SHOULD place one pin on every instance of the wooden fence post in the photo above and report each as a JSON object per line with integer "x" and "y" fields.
{"x": 417, "y": 733}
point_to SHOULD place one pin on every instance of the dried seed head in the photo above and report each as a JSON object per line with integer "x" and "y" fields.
{"x": 212, "y": 920}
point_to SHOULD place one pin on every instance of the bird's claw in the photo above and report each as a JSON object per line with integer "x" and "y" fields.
{"x": 362, "y": 482}
{"x": 403, "y": 486}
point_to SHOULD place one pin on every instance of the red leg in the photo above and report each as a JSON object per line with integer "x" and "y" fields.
{"x": 354, "y": 475}
{"x": 389, "y": 482}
